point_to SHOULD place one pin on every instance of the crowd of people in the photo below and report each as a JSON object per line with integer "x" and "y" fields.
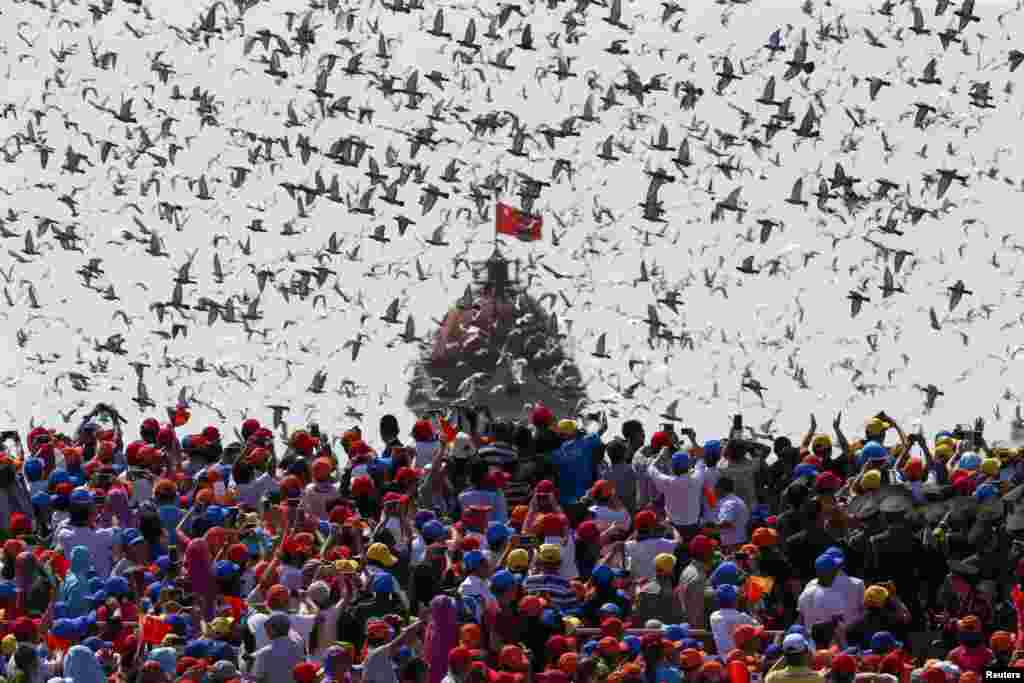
{"x": 479, "y": 550}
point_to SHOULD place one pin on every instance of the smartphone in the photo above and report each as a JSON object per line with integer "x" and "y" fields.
{"x": 737, "y": 423}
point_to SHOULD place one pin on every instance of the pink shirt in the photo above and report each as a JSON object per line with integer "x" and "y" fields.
{"x": 971, "y": 659}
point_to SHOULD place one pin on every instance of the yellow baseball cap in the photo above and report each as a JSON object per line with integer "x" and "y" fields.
{"x": 379, "y": 553}
{"x": 876, "y": 426}
{"x": 518, "y": 560}
{"x": 549, "y": 553}
{"x": 347, "y": 566}
{"x": 944, "y": 451}
{"x": 821, "y": 441}
{"x": 991, "y": 466}
{"x": 221, "y": 626}
{"x": 871, "y": 480}
{"x": 876, "y": 596}
{"x": 566, "y": 427}
{"x": 664, "y": 563}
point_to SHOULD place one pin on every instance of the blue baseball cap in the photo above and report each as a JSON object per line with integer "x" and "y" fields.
{"x": 805, "y": 469}
{"x": 970, "y": 461}
{"x": 675, "y": 632}
{"x": 472, "y": 560}
{"x": 41, "y": 500}
{"x": 215, "y": 515}
{"x": 826, "y": 564}
{"x": 225, "y": 568}
{"x": 727, "y": 595}
{"x": 602, "y": 575}
{"x": 433, "y": 531}
{"x": 81, "y": 496}
{"x": 837, "y": 553}
{"x": 883, "y": 642}
{"x": 712, "y": 448}
{"x": 503, "y": 580}
{"x": 65, "y": 629}
{"x": 794, "y": 643}
{"x": 96, "y": 644}
{"x": 422, "y": 517}
{"x": 610, "y": 609}
{"x": 633, "y": 643}
{"x": 117, "y": 586}
{"x": 199, "y": 648}
{"x": 986, "y": 491}
{"x": 497, "y": 533}
{"x": 680, "y": 460}
{"x": 34, "y": 469}
{"x": 725, "y": 573}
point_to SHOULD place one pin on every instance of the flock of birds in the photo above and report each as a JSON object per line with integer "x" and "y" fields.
{"x": 260, "y": 203}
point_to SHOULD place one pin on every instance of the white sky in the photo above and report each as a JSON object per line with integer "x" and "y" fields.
{"x": 974, "y": 377}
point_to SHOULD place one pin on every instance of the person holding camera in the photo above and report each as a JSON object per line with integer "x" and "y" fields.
{"x": 683, "y": 488}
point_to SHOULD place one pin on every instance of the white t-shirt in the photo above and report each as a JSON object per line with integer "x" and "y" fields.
{"x": 819, "y": 604}
{"x": 723, "y": 623}
{"x": 640, "y": 556}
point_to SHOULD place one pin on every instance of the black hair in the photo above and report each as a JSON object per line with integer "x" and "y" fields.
{"x": 823, "y": 633}
{"x": 242, "y": 472}
{"x": 26, "y": 658}
{"x": 793, "y": 658}
{"x": 7, "y": 475}
{"x": 523, "y": 439}
{"x": 413, "y": 669}
{"x": 616, "y": 451}
{"x": 478, "y": 470}
{"x": 503, "y": 431}
{"x": 725, "y": 485}
{"x": 631, "y": 427}
{"x": 150, "y": 526}
{"x": 389, "y": 426}
{"x": 79, "y": 514}
{"x": 781, "y": 443}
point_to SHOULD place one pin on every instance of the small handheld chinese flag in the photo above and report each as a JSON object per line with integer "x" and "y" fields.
{"x": 154, "y": 629}
{"x": 511, "y": 221}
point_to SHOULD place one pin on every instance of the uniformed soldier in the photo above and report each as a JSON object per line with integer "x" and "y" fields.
{"x": 895, "y": 554}
{"x": 866, "y": 511}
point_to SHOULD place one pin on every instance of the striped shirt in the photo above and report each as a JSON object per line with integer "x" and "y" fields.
{"x": 556, "y": 587}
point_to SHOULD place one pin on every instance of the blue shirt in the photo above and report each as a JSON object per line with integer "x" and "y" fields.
{"x": 575, "y": 462}
{"x": 667, "y": 674}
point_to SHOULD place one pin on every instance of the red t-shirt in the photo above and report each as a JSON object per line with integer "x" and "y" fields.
{"x": 971, "y": 658}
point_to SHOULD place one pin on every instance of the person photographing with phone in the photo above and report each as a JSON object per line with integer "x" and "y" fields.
{"x": 683, "y": 488}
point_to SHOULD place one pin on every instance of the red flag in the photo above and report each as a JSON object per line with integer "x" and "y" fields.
{"x": 512, "y": 221}
{"x": 154, "y": 629}
{"x": 236, "y": 605}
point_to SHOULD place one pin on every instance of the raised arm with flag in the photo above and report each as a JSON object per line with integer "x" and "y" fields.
{"x": 511, "y": 221}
